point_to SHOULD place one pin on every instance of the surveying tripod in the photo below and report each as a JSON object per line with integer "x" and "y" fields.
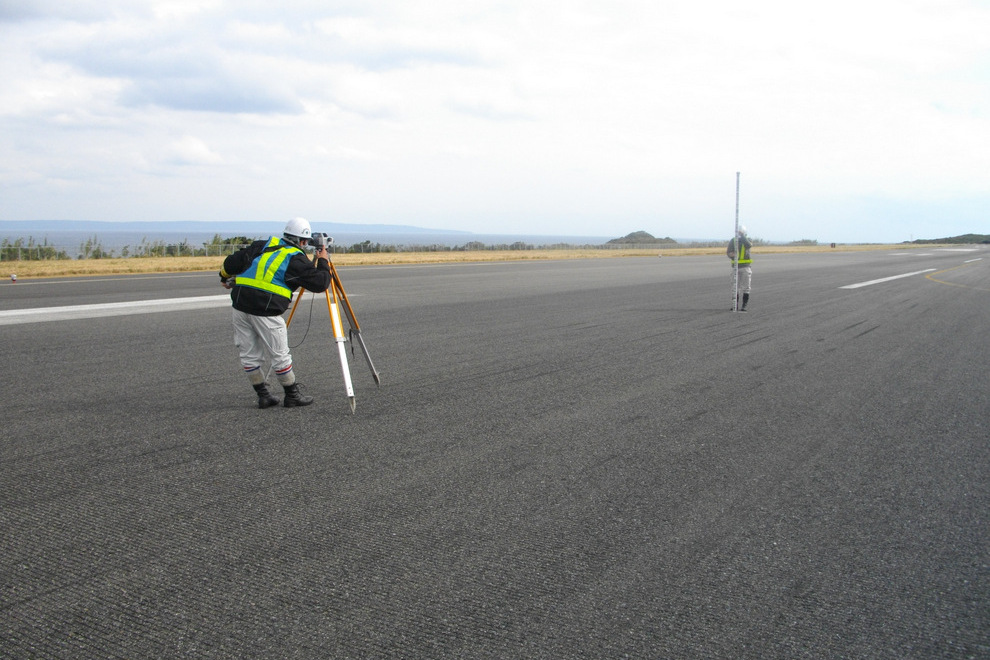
{"x": 335, "y": 295}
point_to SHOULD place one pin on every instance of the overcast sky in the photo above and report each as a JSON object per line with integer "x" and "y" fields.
{"x": 849, "y": 121}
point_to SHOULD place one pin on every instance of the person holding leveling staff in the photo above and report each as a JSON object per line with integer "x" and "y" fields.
{"x": 742, "y": 267}
{"x": 261, "y": 279}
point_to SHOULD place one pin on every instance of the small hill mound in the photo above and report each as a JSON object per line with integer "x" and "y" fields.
{"x": 642, "y": 238}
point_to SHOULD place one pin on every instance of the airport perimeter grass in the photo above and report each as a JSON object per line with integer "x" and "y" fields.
{"x": 136, "y": 265}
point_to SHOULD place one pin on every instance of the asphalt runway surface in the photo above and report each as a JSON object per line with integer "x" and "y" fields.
{"x": 565, "y": 459}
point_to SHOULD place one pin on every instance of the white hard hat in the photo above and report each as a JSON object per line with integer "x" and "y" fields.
{"x": 298, "y": 228}
{"x": 742, "y": 230}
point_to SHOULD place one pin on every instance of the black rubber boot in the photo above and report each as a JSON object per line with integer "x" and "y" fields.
{"x": 265, "y": 398}
{"x": 293, "y": 397}
{"x": 745, "y": 302}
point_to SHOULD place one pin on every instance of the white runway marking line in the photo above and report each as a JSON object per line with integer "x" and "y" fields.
{"x": 969, "y": 261}
{"x": 886, "y": 279}
{"x": 79, "y": 280}
{"x": 73, "y": 312}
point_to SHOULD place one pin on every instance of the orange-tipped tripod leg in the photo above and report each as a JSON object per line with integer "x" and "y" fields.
{"x": 352, "y": 320}
{"x": 335, "y": 295}
{"x": 338, "y": 335}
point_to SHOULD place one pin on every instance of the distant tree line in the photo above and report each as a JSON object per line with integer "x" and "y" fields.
{"x": 92, "y": 248}
{"x": 21, "y": 250}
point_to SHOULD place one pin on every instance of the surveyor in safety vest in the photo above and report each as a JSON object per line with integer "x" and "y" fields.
{"x": 744, "y": 264}
{"x": 261, "y": 279}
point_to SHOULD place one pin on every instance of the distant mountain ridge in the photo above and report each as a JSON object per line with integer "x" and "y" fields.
{"x": 965, "y": 239}
{"x": 229, "y": 227}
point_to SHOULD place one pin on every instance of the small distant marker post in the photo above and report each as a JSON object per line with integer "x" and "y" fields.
{"x": 13, "y": 278}
{"x": 735, "y": 251}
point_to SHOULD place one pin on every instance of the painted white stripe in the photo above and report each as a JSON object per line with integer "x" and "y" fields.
{"x": 74, "y": 312}
{"x": 80, "y": 280}
{"x": 969, "y": 261}
{"x": 886, "y": 279}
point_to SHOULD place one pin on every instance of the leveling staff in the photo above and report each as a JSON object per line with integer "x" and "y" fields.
{"x": 267, "y": 272}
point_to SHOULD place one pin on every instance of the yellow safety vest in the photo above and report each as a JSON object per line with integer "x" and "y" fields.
{"x": 744, "y": 257}
{"x": 267, "y": 271}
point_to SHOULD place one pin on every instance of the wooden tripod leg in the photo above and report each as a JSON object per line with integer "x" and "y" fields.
{"x": 295, "y": 304}
{"x": 352, "y": 320}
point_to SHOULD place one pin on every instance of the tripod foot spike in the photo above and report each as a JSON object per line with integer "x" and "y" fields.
{"x": 353, "y": 403}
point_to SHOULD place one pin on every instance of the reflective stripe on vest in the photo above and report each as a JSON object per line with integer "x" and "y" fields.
{"x": 743, "y": 257}
{"x": 267, "y": 271}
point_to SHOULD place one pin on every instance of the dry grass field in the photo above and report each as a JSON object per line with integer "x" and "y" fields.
{"x": 134, "y": 265}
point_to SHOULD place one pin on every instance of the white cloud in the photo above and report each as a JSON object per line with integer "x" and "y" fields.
{"x": 170, "y": 10}
{"x": 190, "y": 150}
